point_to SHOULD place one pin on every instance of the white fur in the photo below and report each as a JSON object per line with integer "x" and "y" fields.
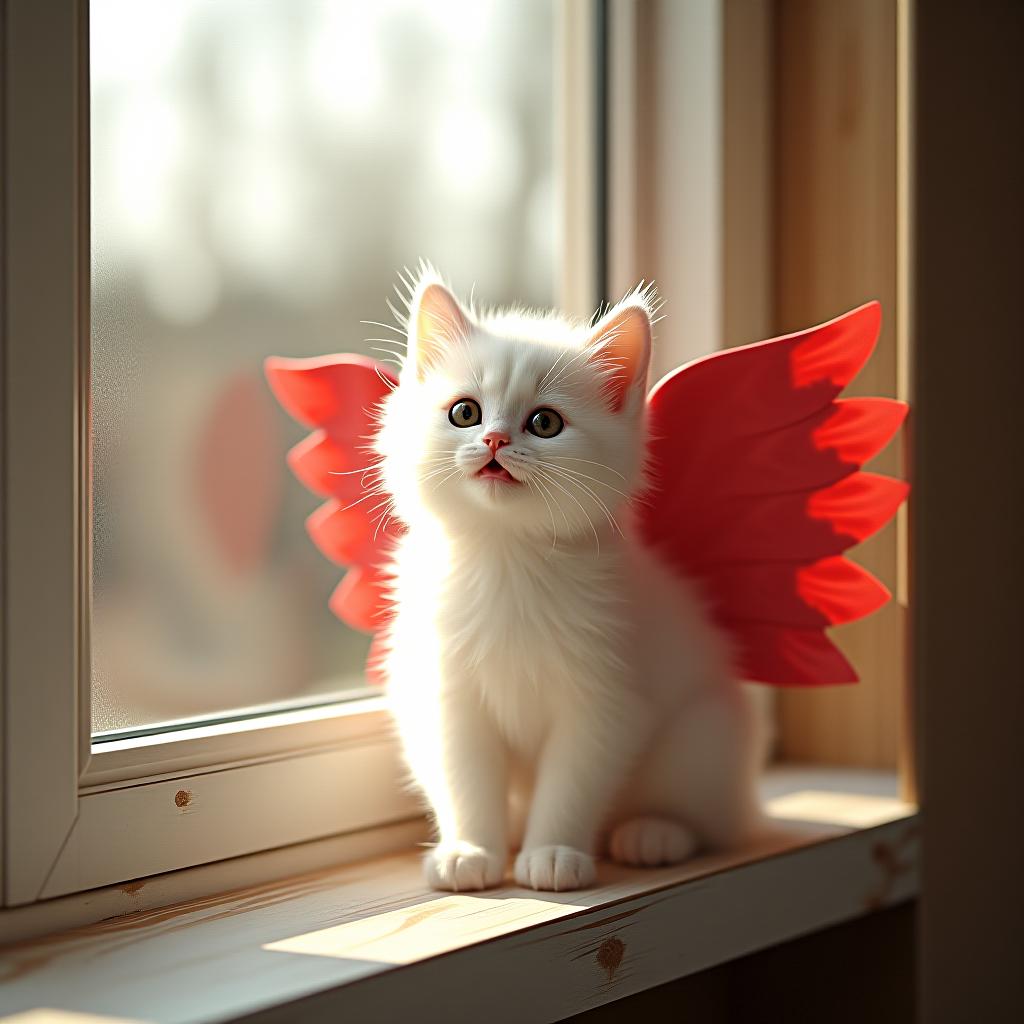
{"x": 555, "y": 687}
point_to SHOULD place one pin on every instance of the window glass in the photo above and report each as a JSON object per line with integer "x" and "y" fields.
{"x": 261, "y": 169}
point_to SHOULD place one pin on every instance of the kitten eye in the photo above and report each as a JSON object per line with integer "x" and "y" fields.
{"x": 465, "y": 413}
{"x": 545, "y": 423}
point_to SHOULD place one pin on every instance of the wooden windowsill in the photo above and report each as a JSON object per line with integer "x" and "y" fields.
{"x": 369, "y": 942}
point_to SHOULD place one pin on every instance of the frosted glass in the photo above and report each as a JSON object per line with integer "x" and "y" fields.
{"x": 260, "y": 172}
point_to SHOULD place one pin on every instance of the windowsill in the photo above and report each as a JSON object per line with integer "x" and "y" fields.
{"x": 368, "y": 940}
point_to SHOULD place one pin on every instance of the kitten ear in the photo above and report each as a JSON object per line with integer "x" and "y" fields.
{"x": 436, "y": 321}
{"x": 621, "y": 343}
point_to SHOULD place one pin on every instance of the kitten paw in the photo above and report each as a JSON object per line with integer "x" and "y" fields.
{"x": 462, "y": 867}
{"x": 648, "y": 842}
{"x": 555, "y": 868}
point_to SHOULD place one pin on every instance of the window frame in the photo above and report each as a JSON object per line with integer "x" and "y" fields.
{"x": 44, "y": 542}
{"x": 197, "y": 796}
{"x": 203, "y": 794}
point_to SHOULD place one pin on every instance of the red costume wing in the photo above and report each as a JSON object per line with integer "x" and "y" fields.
{"x": 757, "y": 489}
{"x": 339, "y": 397}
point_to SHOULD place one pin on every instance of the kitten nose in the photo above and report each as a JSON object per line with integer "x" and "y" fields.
{"x": 496, "y": 439}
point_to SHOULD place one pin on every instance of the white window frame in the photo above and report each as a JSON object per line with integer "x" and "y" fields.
{"x": 77, "y": 816}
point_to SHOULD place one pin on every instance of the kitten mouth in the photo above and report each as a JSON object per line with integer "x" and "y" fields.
{"x": 494, "y": 470}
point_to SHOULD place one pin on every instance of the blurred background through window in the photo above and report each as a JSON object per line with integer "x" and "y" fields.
{"x": 261, "y": 169}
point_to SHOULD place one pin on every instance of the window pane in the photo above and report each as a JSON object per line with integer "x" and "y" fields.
{"x": 260, "y": 171}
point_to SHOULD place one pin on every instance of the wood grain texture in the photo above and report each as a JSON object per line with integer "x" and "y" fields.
{"x": 836, "y": 247}
{"x": 157, "y": 892}
{"x": 367, "y": 941}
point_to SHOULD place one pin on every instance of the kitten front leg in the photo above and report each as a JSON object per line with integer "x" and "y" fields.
{"x": 459, "y": 761}
{"x": 585, "y": 760}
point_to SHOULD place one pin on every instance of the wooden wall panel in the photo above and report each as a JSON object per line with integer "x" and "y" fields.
{"x": 835, "y": 247}
{"x": 968, "y": 543}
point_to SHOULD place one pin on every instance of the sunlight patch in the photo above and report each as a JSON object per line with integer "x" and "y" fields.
{"x": 855, "y": 810}
{"x": 44, "y": 1015}
{"x": 426, "y": 929}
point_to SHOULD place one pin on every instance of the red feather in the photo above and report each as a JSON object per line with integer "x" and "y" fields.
{"x": 757, "y": 488}
{"x": 340, "y": 397}
{"x": 805, "y": 595}
{"x": 785, "y": 656}
{"x": 359, "y": 599}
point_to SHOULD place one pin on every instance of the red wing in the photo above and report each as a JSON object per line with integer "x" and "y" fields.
{"x": 339, "y": 396}
{"x": 789, "y": 657}
{"x": 757, "y": 489}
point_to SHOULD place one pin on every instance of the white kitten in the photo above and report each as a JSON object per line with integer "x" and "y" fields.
{"x": 553, "y": 684}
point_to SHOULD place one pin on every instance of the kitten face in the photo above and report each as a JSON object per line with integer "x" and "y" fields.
{"x": 513, "y": 425}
